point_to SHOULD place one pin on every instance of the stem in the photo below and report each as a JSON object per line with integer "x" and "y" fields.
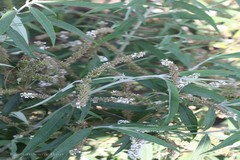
{"x": 139, "y": 23}
{"x": 8, "y": 4}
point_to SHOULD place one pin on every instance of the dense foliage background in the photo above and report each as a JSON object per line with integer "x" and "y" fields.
{"x": 137, "y": 79}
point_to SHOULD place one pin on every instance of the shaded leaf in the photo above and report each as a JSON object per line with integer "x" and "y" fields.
{"x": 173, "y": 102}
{"x": 69, "y": 28}
{"x": 188, "y": 118}
{"x": 12, "y": 102}
{"x": 45, "y": 22}
{"x": 20, "y": 42}
{"x": 69, "y": 143}
{"x": 6, "y": 20}
{"x": 209, "y": 118}
{"x": 54, "y": 123}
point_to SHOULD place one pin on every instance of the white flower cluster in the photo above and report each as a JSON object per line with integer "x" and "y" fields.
{"x": 123, "y": 122}
{"x": 138, "y": 55}
{"x": 63, "y": 35}
{"x": 135, "y": 149}
{"x": 113, "y": 99}
{"x": 185, "y": 80}
{"x": 218, "y": 84}
{"x": 74, "y": 151}
{"x": 17, "y": 136}
{"x": 92, "y": 33}
{"x": 28, "y": 95}
{"x": 166, "y": 62}
{"x": 103, "y": 58}
{"x": 42, "y": 45}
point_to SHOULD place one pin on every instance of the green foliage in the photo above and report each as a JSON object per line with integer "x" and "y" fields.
{"x": 137, "y": 79}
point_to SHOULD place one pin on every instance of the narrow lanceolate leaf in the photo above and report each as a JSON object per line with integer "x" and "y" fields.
{"x": 45, "y": 22}
{"x": 147, "y": 137}
{"x": 227, "y": 142}
{"x": 5, "y": 65}
{"x": 70, "y": 28}
{"x": 188, "y": 118}
{"x": 202, "y": 147}
{"x": 209, "y": 118}
{"x": 57, "y": 120}
{"x": 195, "y": 10}
{"x": 6, "y": 20}
{"x": 70, "y": 142}
{"x": 173, "y": 102}
{"x": 20, "y": 42}
{"x": 18, "y": 26}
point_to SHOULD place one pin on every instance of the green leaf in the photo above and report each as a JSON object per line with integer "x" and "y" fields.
{"x": 146, "y": 137}
{"x": 124, "y": 141}
{"x": 69, "y": 27}
{"x": 54, "y": 123}
{"x": 20, "y": 42}
{"x": 106, "y": 6}
{"x": 69, "y": 143}
{"x": 208, "y": 72}
{"x": 19, "y": 115}
{"x": 227, "y": 142}
{"x": 209, "y": 118}
{"x": 6, "y": 20}
{"x": 188, "y": 118}
{"x": 121, "y": 106}
{"x": 45, "y": 22}
{"x": 198, "y": 12}
{"x": 12, "y": 102}
{"x": 202, "y": 147}
{"x": 84, "y": 112}
{"x": 173, "y": 102}
{"x": 54, "y": 143}
{"x": 175, "y": 50}
{"x": 18, "y": 26}
{"x": 202, "y": 92}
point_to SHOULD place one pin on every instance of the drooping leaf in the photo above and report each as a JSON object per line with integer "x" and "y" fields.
{"x": 173, "y": 102}
{"x": 69, "y": 143}
{"x": 12, "y": 102}
{"x": 6, "y": 20}
{"x": 198, "y": 12}
{"x": 69, "y": 28}
{"x": 45, "y": 22}
{"x": 54, "y": 123}
{"x": 20, "y": 42}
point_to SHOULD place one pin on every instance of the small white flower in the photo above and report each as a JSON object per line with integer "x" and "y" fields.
{"x": 28, "y": 95}
{"x": 185, "y": 80}
{"x": 123, "y": 122}
{"x": 74, "y": 43}
{"x": 138, "y": 55}
{"x": 17, "y": 136}
{"x": 103, "y": 58}
{"x": 92, "y": 33}
{"x": 166, "y": 62}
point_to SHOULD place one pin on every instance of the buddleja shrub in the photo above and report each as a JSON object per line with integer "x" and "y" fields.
{"x": 146, "y": 78}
